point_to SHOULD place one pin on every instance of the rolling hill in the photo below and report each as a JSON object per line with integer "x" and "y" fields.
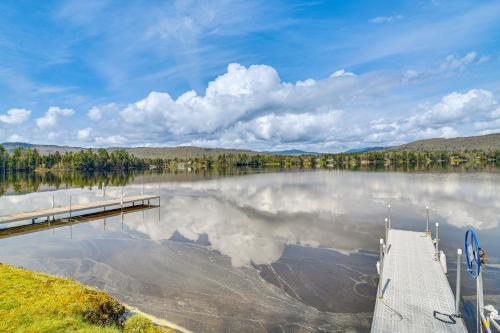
{"x": 141, "y": 152}
{"x": 182, "y": 152}
{"x": 483, "y": 142}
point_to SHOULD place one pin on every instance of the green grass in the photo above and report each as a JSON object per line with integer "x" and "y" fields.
{"x": 35, "y": 302}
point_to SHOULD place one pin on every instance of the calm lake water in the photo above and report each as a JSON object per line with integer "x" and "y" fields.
{"x": 277, "y": 251}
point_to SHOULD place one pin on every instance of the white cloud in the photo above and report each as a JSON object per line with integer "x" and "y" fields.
{"x": 475, "y": 107}
{"x": 287, "y": 128}
{"x": 84, "y": 134}
{"x": 386, "y": 19}
{"x": 51, "y": 136}
{"x": 342, "y": 72}
{"x": 15, "y": 116}
{"x": 112, "y": 140}
{"x": 458, "y": 107}
{"x": 16, "y": 138}
{"x": 243, "y": 97}
{"x": 455, "y": 62}
{"x": 97, "y": 112}
{"x": 452, "y": 64}
{"x": 49, "y": 120}
{"x": 251, "y": 107}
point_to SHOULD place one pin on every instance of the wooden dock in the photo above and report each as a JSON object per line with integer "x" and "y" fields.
{"x": 74, "y": 209}
{"x": 414, "y": 294}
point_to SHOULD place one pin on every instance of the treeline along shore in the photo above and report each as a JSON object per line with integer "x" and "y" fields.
{"x": 29, "y": 159}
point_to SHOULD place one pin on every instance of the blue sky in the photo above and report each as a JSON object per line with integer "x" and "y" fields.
{"x": 318, "y": 75}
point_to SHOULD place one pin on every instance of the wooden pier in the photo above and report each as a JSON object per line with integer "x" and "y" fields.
{"x": 414, "y": 294}
{"x": 74, "y": 210}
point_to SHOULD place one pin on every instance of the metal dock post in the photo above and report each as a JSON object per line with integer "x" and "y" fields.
{"x": 386, "y": 230}
{"x": 389, "y": 206}
{"x": 437, "y": 241}
{"x": 70, "y": 204}
{"x": 457, "y": 292}
{"x": 381, "y": 265}
{"x": 427, "y": 231}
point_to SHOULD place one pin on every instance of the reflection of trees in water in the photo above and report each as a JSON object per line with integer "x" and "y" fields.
{"x": 26, "y": 182}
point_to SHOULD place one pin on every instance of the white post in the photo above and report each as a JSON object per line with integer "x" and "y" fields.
{"x": 387, "y": 230}
{"x": 142, "y": 190}
{"x": 381, "y": 265}
{"x": 389, "y": 206}
{"x": 437, "y": 241}
{"x": 70, "y": 207}
{"x": 104, "y": 195}
{"x": 427, "y": 218}
{"x": 121, "y": 202}
{"x": 457, "y": 289}
{"x": 53, "y": 206}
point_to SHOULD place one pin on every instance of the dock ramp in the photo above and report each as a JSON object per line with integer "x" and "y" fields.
{"x": 414, "y": 294}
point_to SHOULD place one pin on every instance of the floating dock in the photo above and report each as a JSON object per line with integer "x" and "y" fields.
{"x": 73, "y": 209}
{"x": 414, "y": 294}
{"x": 17, "y": 230}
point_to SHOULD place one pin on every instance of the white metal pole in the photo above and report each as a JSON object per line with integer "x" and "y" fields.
{"x": 121, "y": 202}
{"x": 427, "y": 215}
{"x": 381, "y": 265}
{"x": 387, "y": 230}
{"x": 70, "y": 207}
{"x": 457, "y": 292}
{"x": 437, "y": 241}
{"x": 389, "y": 206}
{"x": 53, "y": 206}
{"x": 480, "y": 301}
{"x": 478, "y": 311}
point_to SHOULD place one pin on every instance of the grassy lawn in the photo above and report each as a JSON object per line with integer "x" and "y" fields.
{"x": 34, "y": 302}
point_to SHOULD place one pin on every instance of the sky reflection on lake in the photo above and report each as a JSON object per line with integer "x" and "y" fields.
{"x": 300, "y": 246}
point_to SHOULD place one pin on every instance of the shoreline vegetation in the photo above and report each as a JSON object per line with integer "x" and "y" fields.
{"x": 30, "y": 159}
{"x": 37, "y": 302}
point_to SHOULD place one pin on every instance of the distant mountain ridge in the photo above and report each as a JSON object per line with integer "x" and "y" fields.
{"x": 43, "y": 149}
{"x": 365, "y": 149}
{"x": 482, "y": 142}
{"x": 291, "y": 152}
{"x": 141, "y": 152}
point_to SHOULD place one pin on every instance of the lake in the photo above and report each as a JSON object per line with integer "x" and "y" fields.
{"x": 253, "y": 250}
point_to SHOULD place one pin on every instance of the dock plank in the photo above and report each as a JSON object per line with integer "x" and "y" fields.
{"x": 45, "y": 212}
{"x": 416, "y": 294}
